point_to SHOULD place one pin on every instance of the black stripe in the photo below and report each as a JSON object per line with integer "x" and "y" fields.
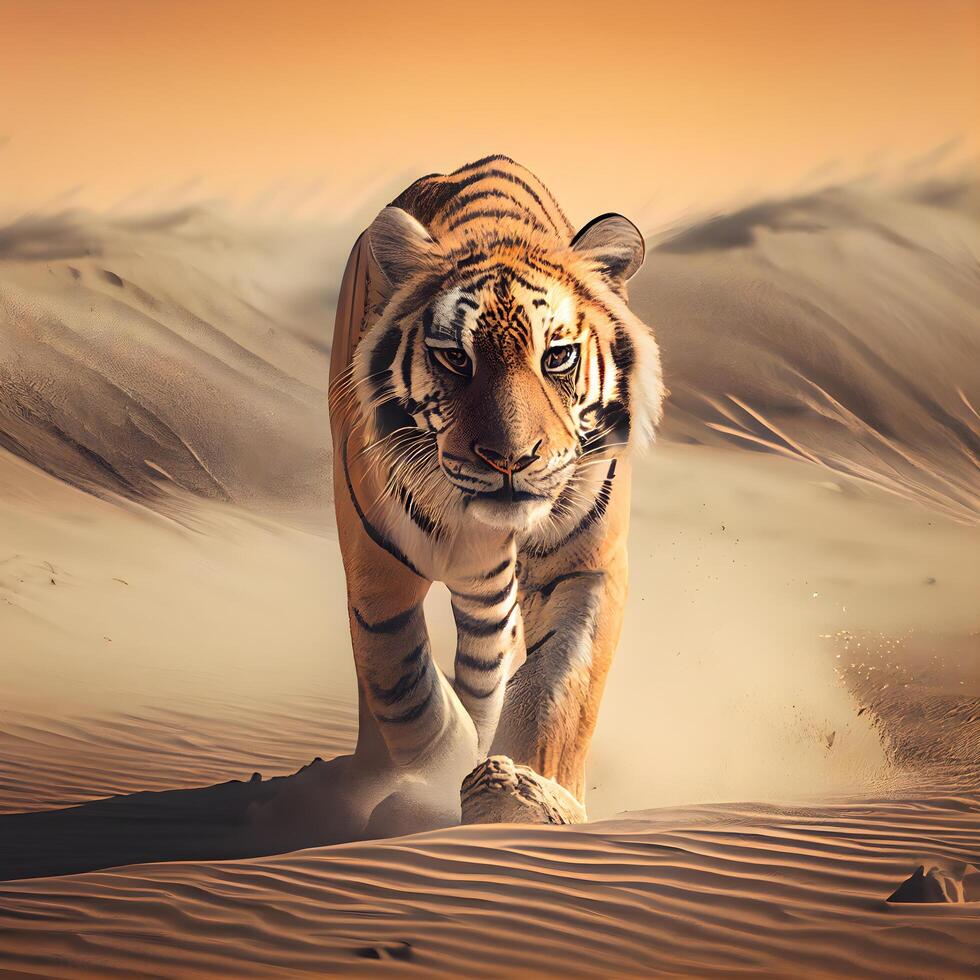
{"x": 527, "y": 284}
{"x": 407, "y": 358}
{"x": 611, "y": 428}
{"x": 474, "y": 258}
{"x": 402, "y": 688}
{"x": 384, "y": 351}
{"x": 392, "y": 625}
{"x": 463, "y": 259}
{"x": 497, "y": 213}
{"x": 459, "y": 319}
{"x": 593, "y": 517}
{"x": 390, "y": 416}
{"x": 483, "y": 161}
{"x": 474, "y": 285}
{"x": 546, "y": 589}
{"x": 416, "y": 654}
{"x": 468, "y": 301}
{"x": 518, "y": 182}
{"x": 534, "y": 647}
{"x": 416, "y": 514}
{"x": 475, "y": 663}
{"x": 475, "y": 173}
{"x": 487, "y": 600}
{"x": 494, "y": 572}
{"x": 376, "y": 536}
{"x": 625, "y": 357}
{"x": 456, "y": 459}
{"x": 412, "y": 713}
{"x": 622, "y": 351}
{"x": 461, "y": 685}
{"x": 599, "y": 508}
{"x": 539, "y": 263}
{"x": 477, "y": 627}
{"x": 530, "y": 254}
{"x": 472, "y": 479}
{"x": 464, "y": 200}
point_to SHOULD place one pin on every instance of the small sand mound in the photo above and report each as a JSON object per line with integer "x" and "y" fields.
{"x": 958, "y": 884}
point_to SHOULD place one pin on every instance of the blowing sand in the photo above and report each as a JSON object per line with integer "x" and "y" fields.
{"x": 802, "y": 626}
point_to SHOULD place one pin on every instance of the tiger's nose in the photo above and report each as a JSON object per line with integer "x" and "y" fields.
{"x": 507, "y": 463}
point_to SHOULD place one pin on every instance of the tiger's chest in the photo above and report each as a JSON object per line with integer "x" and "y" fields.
{"x": 462, "y": 550}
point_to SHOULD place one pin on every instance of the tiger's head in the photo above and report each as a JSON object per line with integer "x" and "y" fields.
{"x": 504, "y": 364}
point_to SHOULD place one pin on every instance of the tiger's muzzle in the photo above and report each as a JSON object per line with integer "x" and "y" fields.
{"x": 508, "y": 489}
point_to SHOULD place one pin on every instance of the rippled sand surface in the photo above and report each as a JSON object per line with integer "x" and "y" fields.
{"x": 720, "y": 891}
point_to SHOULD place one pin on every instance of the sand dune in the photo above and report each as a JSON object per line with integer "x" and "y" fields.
{"x": 184, "y": 350}
{"x": 176, "y": 352}
{"x": 802, "y": 624}
{"x": 839, "y": 327}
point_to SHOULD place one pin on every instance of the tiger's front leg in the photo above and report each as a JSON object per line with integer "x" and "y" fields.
{"x": 413, "y": 732}
{"x": 552, "y": 702}
{"x": 490, "y": 632}
{"x": 573, "y": 619}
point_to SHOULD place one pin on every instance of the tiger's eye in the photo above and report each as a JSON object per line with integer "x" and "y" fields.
{"x": 453, "y": 359}
{"x": 558, "y": 360}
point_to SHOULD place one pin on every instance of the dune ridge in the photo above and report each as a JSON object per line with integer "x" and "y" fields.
{"x": 145, "y": 356}
{"x": 837, "y": 327}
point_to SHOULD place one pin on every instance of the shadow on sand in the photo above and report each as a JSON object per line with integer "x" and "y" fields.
{"x": 229, "y": 820}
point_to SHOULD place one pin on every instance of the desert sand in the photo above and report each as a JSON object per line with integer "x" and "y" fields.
{"x": 792, "y": 724}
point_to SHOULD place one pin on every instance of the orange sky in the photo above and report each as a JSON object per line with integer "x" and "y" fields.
{"x": 641, "y": 107}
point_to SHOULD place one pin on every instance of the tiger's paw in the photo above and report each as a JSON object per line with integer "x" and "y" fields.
{"x": 501, "y": 791}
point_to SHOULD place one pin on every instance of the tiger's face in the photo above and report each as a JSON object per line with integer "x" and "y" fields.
{"x": 503, "y": 370}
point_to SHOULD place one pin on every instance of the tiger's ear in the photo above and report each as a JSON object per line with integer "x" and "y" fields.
{"x": 401, "y": 246}
{"x": 614, "y": 243}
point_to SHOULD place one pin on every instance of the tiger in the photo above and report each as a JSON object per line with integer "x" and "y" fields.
{"x": 489, "y": 385}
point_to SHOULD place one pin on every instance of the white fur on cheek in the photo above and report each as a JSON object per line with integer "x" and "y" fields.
{"x": 646, "y": 386}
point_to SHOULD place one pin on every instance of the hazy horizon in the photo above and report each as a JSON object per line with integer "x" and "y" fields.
{"x": 657, "y": 109}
